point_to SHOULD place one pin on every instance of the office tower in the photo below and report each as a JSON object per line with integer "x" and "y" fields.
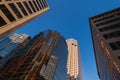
{"x": 10, "y": 45}
{"x": 46, "y": 59}
{"x": 105, "y": 31}
{"x": 16, "y": 13}
{"x": 74, "y": 67}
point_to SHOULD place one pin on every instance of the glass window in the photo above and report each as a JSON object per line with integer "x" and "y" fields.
{"x": 118, "y": 57}
{"x": 110, "y": 27}
{"x": 45, "y": 3}
{"x": 107, "y": 22}
{"x": 115, "y": 45}
{"x": 22, "y": 8}
{"x": 2, "y": 22}
{"x": 36, "y": 5}
{"x": 7, "y": 12}
{"x": 15, "y": 10}
{"x": 111, "y": 35}
{"x": 41, "y": 4}
{"x": 32, "y": 6}
{"x": 28, "y": 8}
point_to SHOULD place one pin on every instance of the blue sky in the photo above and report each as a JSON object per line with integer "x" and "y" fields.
{"x": 70, "y": 18}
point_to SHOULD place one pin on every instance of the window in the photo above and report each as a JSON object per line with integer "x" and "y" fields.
{"x": 15, "y": 10}
{"x": 2, "y": 22}
{"x": 7, "y": 12}
{"x": 110, "y": 27}
{"x": 109, "y": 21}
{"x": 36, "y": 5}
{"x": 41, "y": 4}
{"x": 45, "y": 3}
{"x": 32, "y": 6}
{"x": 28, "y": 8}
{"x": 115, "y": 45}
{"x": 22, "y": 8}
{"x": 119, "y": 57}
{"x": 111, "y": 35}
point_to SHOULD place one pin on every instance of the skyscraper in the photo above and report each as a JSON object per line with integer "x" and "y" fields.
{"x": 10, "y": 45}
{"x": 46, "y": 59}
{"x": 105, "y": 31}
{"x": 15, "y": 13}
{"x": 74, "y": 66}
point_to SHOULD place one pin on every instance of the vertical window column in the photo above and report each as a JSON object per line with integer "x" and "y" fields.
{"x": 39, "y": 5}
{"x": 7, "y": 12}
{"x": 27, "y": 7}
{"x": 36, "y": 5}
{"x": 22, "y": 8}
{"x": 32, "y": 6}
{"x": 15, "y": 10}
{"x": 2, "y": 22}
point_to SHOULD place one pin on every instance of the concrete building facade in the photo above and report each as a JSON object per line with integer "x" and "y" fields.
{"x": 16, "y": 13}
{"x": 105, "y": 31}
{"x": 74, "y": 66}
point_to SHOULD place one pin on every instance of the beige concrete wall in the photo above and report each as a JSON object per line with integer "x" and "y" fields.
{"x": 11, "y": 26}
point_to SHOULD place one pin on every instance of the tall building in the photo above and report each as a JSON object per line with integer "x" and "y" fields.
{"x": 105, "y": 31}
{"x": 74, "y": 67}
{"x": 46, "y": 59}
{"x": 15, "y": 13}
{"x": 9, "y": 46}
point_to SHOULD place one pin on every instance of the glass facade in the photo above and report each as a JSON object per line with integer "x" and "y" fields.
{"x": 8, "y": 49}
{"x": 61, "y": 52}
{"x": 45, "y": 58}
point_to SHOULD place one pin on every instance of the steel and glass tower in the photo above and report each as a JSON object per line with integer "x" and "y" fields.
{"x": 45, "y": 59}
{"x": 74, "y": 67}
{"x": 105, "y": 29}
{"x": 16, "y": 13}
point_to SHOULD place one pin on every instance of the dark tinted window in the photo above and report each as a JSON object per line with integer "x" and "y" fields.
{"x": 7, "y": 12}
{"x": 115, "y": 26}
{"x": 115, "y": 45}
{"x": 28, "y": 8}
{"x": 107, "y": 22}
{"x": 39, "y": 4}
{"x": 15, "y": 10}
{"x": 2, "y": 22}
{"x": 22, "y": 8}
{"x": 32, "y": 6}
{"x": 111, "y": 35}
{"x": 44, "y": 2}
{"x": 36, "y": 5}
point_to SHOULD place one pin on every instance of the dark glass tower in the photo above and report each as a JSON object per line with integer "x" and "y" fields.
{"x": 45, "y": 59}
{"x": 105, "y": 29}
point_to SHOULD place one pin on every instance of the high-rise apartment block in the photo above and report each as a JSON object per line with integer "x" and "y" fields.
{"x": 74, "y": 67}
{"x": 15, "y": 13}
{"x": 45, "y": 59}
{"x": 105, "y": 29}
{"x": 11, "y": 46}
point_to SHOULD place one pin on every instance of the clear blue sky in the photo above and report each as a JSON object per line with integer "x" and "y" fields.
{"x": 70, "y": 18}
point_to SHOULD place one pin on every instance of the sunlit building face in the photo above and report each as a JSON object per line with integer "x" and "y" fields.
{"x": 16, "y": 13}
{"x": 73, "y": 64}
